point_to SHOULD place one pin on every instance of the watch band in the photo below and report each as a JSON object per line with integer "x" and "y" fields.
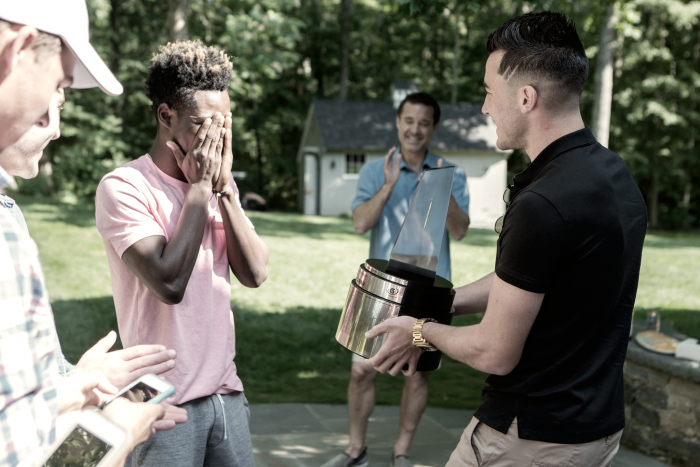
{"x": 418, "y": 339}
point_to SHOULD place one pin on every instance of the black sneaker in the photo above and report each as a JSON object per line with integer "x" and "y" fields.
{"x": 343, "y": 460}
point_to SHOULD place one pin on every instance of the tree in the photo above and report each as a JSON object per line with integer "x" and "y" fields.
{"x": 177, "y": 20}
{"x": 600, "y": 124}
{"x": 289, "y": 52}
{"x": 345, "y": 26}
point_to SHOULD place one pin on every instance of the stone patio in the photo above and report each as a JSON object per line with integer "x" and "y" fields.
{"x": 307, "y": 435}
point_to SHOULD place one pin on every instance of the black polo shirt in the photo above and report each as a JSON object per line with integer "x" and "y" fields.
{"x": 574, "y": 231}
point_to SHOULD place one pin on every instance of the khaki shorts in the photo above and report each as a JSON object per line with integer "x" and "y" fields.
{"x": 357, "y": 359}
{"x": 483, "y": 446}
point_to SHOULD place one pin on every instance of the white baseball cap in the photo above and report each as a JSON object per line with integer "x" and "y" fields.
{"x": 69, "y": 20}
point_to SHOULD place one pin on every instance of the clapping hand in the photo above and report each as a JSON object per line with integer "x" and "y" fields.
{"x": 392, "y": 167}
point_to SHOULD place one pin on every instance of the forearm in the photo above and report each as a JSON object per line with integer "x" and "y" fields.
{"x": 366, "y": 215}
{"x": 247, "y": 252}
{"x": 457, "y": 221}
{"x": 165, "y": 268}
{"x": 473, "y": 298}
{"x": 465, "y": 344}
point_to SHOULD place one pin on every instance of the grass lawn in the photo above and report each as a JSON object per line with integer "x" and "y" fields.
{"x": 286, "y": 349}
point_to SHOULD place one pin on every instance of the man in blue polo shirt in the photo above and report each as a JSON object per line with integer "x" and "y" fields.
{"x": 384, "y": 192}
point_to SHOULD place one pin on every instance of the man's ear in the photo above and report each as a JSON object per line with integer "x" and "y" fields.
{"x": 527, "y": 99}
{"x": 17, "y": 39}
{"x": 165, "y": 116}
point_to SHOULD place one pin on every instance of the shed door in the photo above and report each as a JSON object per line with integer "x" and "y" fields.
{"x": 310, "y": 185}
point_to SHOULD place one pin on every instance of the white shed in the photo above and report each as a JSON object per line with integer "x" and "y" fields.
{"x": 339, "y": 137}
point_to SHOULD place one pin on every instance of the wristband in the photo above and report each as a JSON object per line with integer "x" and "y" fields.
{"x": 219, "y": 193}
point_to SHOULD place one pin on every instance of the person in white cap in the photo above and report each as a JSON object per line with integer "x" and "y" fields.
{"x": 120, "y": 367}
{"x": 34, "y": 64}
{"x": 44, "y": 45}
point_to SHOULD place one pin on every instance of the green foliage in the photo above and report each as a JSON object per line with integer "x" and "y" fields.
{"x": 287, "y": 53}
{"x": 656, "y": 106}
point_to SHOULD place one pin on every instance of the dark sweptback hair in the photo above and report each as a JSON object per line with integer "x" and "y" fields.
{"x": 542, "y": 45}
{"x": 422, "y": 98}
{"x": 181, "y": 69}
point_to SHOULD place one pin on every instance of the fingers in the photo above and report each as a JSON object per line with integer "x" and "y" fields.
{"x": 399, "y": 158}
{"x": 213, "y": 136}
{"x": 148, "y": 363}
{"x": 150, "y": 414}
{"x": 227, "y": 135}
{"x": 86, "y": 382}
{"x": 227, "y": 142}
{"x": 104, "y": 344}
{"x": 158, "y": 369}
{"x": 202, "y": 134}
{"x": 377, "y": 330}
{"x": 220, "y": 144}
{"x": 177, "y": 414}
{"x": 177, "y": 152}
{"x": 138, "y": 351}
{"x": 397, "y": 367}
{"x": 412, "y": 367}
{"x": 439, "y": 164}
{"x": 173, "y": 416}
{"x": 387, "y": 158}
{"x": 163, "y": 425}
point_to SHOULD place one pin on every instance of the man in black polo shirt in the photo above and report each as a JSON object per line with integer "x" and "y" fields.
{"x": 559, "y": 305}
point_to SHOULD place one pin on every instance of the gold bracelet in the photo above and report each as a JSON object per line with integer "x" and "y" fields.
{"x": 418, "y": 339}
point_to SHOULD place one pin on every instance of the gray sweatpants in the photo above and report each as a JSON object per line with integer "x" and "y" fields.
{"x": 216, "y": 434}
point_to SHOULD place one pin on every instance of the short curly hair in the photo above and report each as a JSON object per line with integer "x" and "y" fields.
{"x": 182, "y": 68}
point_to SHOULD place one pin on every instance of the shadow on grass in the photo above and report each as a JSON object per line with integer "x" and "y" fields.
{"x": 270, "y": 224}
{"x": 275, "y": 224}
{"x": 668, "y": 240}
{"x": 81, "y": 214}
{"x": 283, "y": 357}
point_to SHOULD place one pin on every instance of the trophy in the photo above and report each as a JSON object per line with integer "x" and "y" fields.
{"x": 406, "y": 284}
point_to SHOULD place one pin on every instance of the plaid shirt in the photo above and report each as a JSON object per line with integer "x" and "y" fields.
{"x": 28, "y": 362}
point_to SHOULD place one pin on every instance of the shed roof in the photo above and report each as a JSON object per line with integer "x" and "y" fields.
{"x": 371, "y": 126}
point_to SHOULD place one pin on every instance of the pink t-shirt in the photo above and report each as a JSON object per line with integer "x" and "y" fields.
{"x": 136, "y": 201}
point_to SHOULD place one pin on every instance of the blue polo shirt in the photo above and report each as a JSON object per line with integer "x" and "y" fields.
{"x": 387, "y": 228}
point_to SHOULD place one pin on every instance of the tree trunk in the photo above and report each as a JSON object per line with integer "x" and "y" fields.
{"x": 600, "y": 126}
{"x": 653, "y": 194}
{"x": 177, "y": 20}
{"x": 345, "y": 49}
{"x": 455, "y": 57}
{"x": 256, "y": 132}
{"x": 317, "y": 56}
{"x": 115, "y": 44}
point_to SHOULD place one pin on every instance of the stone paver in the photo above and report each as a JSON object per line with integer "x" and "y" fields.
{"x": 307, "y": 435}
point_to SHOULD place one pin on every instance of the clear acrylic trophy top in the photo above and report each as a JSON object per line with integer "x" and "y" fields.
{"x": 417, "y": 248}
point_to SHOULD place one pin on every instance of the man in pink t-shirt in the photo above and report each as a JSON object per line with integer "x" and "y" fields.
{"x": 172, "y": 227}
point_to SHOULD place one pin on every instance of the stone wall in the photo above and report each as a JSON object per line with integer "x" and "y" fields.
{"x": 662, "y": 406}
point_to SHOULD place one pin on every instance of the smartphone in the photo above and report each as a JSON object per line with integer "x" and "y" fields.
{"x": 148, "y": 388}
{"x": 88, "y": 440}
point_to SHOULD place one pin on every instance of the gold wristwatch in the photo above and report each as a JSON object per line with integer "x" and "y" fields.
{"x": 418, "y": 339}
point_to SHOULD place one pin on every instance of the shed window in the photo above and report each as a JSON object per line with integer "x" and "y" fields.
{"x": 353, "y": 163}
